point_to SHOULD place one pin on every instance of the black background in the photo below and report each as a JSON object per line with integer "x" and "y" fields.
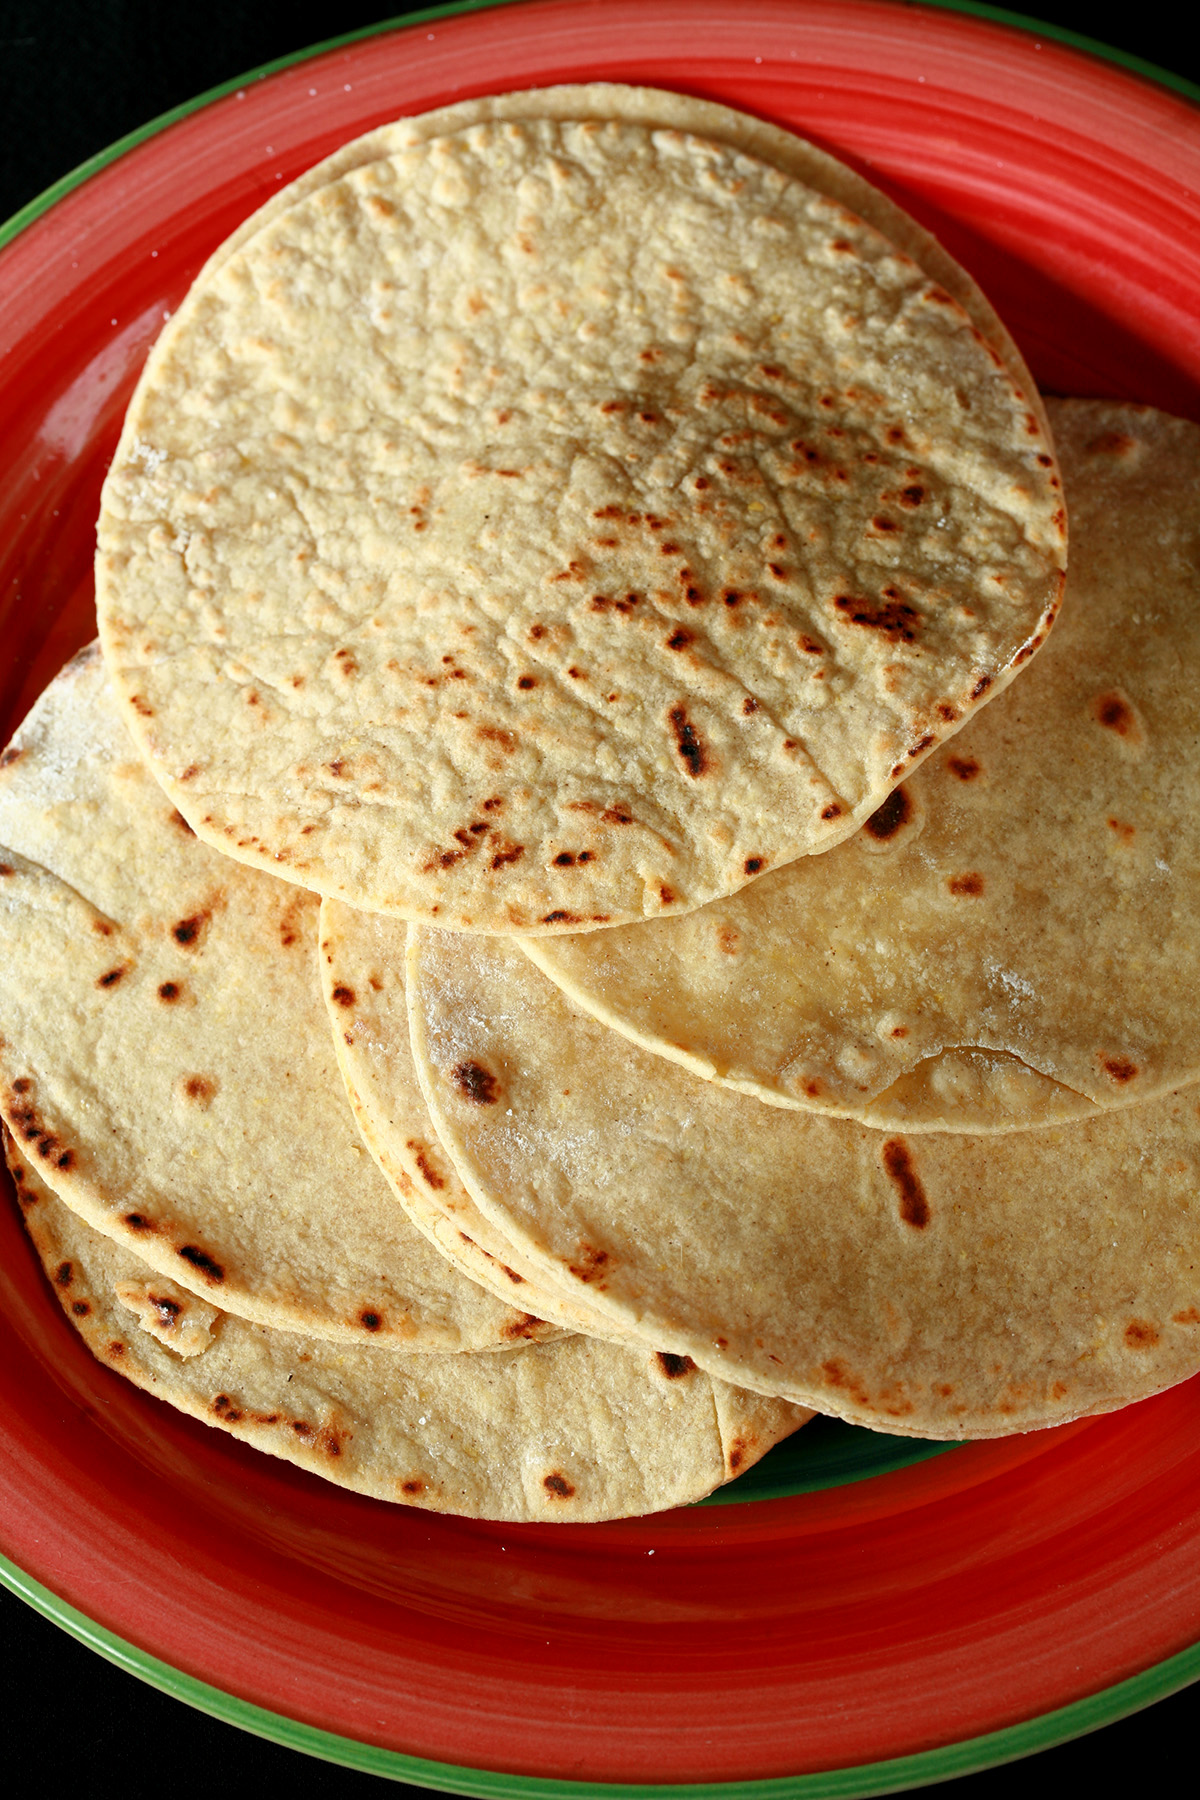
{"x": 74, "y": 76}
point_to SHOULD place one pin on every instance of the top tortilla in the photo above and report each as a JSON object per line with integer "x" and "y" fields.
{"x": 660, "y": 109}
{"x": 560, "y": 523}
{"x": 1014, "y": 938}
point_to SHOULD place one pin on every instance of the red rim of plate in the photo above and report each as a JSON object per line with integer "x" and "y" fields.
{"x": 1149, "y": 376}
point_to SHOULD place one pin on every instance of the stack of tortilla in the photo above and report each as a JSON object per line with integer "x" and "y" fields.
{"x": 522, "y": 975}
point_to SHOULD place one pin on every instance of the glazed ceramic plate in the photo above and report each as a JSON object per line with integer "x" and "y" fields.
{"x": 868, "y": 1615}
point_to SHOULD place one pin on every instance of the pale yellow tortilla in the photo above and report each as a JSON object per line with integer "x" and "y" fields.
{"x": 561, "y": 1432}
{"x": 660, "y": 109}
{"x": 1015, "y": 938}
{"x": 945, "y": 1285}
{"x": 558, "y": 523}
{"x": 166, "y": 1058}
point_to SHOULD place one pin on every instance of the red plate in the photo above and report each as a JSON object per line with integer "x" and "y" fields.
{"x": 933, "y": 1619}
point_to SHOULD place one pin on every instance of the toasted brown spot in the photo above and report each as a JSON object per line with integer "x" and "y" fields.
{"x": 981, "y": 686}
{"x": 673, "y": 1366}
{"x": 914, "y": 1207}
{"x": 1140, "y": 1334}
{"x": 617, "y": 815}
{"x": 139, "y": 1222}
{"x": 749, "y": 705}
{"x": 525, "y": 1325}
{"x": 753, "y": 864}
{"x": 187, "y": 931}
{"x": 416, "y": 1486}
{"x": 428, "y": 1173}
{"x": 688, "y": 743}
{"x": 1126, "y": 832}
{"x": 493, "y": 734}
{"x": 969, "y": 884}
{"x": 64, "y": 1274}
{"x": 200, "y": 1088}
{"x": 561, "y": 917}
{"x": 680, "y": 639}
{"x": 1115, "y": 714}
{"x": 728, "y": 939}
{"x": 345, "y": 996}
{"x": 891, "y": 817}
{"x": 168, "y": 991}
{"x": 965, "y": 767}
{"x": 527, "y": 681}
{"x": 168, "y": 1310}
{"x": 1119, "y": 1068}
{"x": 80, "y": 1308}
{"x": 894, "y": 618}
{"x": 511, "y": 853}
{"x": 558, "y": 1486}
{"x": 370, "y": 1321}
{"x": 22, "y": 1085}
{"x": 11, "y": 755}
{"x": 1110, "y": 443}
{"x": 832, "y": 811}
{"x": 1189, "y": 1316}
{"x": 591, "y": 1263}
{"x": 667, "y": 896}
{"x": 737, "y": 1455}
{"x": 200, "y": 1259}
{"x": 476, "y": 1083}
{"x": 113, "y": 976}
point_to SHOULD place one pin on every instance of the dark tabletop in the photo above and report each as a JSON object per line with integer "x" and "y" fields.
{"x": 74, "y": 76}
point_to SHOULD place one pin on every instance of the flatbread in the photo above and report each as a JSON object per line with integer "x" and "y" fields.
{"x": 167, "y": 1060}
{"x": 946, "y": 1286}
{"x": 1015, "y": 937}
{"x": 558, "y": 523}
{"x": 561, "y": 1432}
{"x": 362, "y": 979}
{"x": 660, "y": 110}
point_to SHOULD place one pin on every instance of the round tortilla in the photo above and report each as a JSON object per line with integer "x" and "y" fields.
{"x": 946, "y": 1286}
{"x": 1014, "y": 938}
{"x": 658, "y": 109}
{"x": 567, "y": 1432}
{"x": 167, "y": 1060}
{"x": 557, "y": 523}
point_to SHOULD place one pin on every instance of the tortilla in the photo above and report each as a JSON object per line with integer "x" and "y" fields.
{"x": 558, "y": 523}
{"x": 166, "y": 1056}
{"x": 362, "y": 979}
{"x": 1014, "y": 937}
{"x": 568, "y": 1432}
{"x": 660, "y": 110}
{"x": 946, "y": 1286}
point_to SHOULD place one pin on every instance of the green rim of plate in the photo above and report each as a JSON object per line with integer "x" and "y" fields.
{"x": 963, "y": 1758}
{"x": 836, "y": 1784}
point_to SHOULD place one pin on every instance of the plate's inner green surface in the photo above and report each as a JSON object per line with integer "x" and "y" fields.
{"x": 826, "y": 1453}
